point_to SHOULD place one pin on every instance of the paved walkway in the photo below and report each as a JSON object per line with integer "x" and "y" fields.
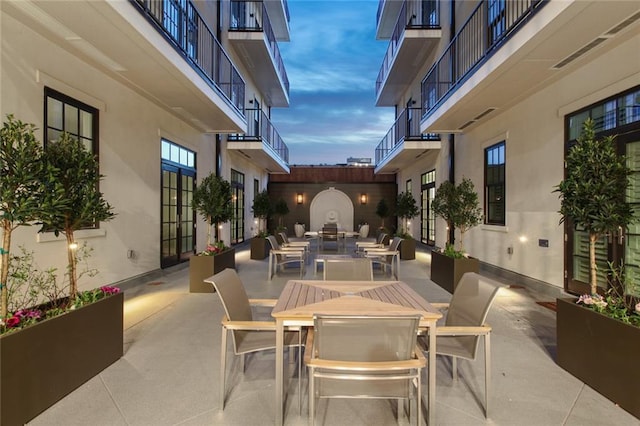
{"x": 170, "y": 370}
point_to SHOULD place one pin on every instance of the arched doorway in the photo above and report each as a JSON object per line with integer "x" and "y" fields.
{"x": 331, "y": 206}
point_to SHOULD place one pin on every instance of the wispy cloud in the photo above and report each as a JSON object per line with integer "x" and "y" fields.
{"x": 332, "y": 62}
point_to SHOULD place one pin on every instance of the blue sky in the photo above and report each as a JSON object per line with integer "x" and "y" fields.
{"x": 332, "y": 62}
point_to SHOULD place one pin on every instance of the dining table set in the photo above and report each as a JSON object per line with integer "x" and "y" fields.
{"x": 302, "y": 300}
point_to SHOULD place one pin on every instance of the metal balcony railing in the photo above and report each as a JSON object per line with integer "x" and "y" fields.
{"x": 414, "y": 14}
{"x": 260, "y": 128}
{"x": 182, "y": 25}
{"x": 252, "y": 16}
{"x": 489, "y": 26}
{"x": 406, "y": 127}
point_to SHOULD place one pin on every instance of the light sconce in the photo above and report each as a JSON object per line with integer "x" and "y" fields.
{"x": 363, "y": 198}
{"x": 299, "y": 198}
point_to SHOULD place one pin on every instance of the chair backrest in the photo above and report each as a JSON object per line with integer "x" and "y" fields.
{"x": 330, "y": 232}
{"x": 273, "y": 242}
{"x": 381, "y": 238}
{"x": 364, "y": 230}
{"x": 234, "y": 299}
{"x": 355, "y": 269}
{"x": 331, "y": 225}
{"x": 370, "y": 338}
{"x": 470, "y": 305}
{"x": 284, "y": 237}
{"x": 395, "y": 243}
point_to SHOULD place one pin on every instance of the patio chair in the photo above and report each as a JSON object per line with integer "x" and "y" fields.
{"x": 465, "y": 324}
{"x": 248, "y": 335}
{"x": 280, "y": 256}
{"x": 361, "y": 245}
{"x": 329, "y": 233}
{"x": 386, "y": 256}
{"x": 294, "y": 244}
{"x": 364, "y": 357}
{"x": 355, "y": 269}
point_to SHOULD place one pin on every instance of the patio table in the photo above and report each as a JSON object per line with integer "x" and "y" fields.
{"x": 300, "y": 300}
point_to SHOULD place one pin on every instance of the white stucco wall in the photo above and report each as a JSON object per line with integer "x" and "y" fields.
{"x": 130, "y": 129}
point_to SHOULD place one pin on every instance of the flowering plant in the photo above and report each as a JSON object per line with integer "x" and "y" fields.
{"x": 25, "y": 317}
{"x": 616, "y": 302}
{"x": 213, "y": 249}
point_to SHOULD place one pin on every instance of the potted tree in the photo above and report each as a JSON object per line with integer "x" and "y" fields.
{"x": 458, "y": 205}
{"x": 261, "y": 210}
{"x": 595, "y": 329}
{"x": 38, "y": 341}
{"x": 212, "y": 199}
{"x": 281, "y": 209}
{"x": 383, "y": 211}
{"x": 406, "y": 209}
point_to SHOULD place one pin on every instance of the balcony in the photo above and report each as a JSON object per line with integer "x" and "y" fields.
{"x": 416, "y": 33}
{"x": 251, "y": 35}
{"x": 278, "y": 11}
{"x": 261, "y": 144}
{"x": 404, "y": 144}
{"x": 138, "y": 44}
{"x": 386, "y": 18}
{"x": 503, "y": 55}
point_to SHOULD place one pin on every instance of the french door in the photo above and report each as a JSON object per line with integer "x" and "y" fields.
{"x": 177, "y": 216}
{"x": 427, "y": 217}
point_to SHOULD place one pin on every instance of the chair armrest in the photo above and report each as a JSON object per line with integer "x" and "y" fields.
{"x": 463, "y": 330}
{"x": 263, "y": 302}
{"x": 329, "y": 364}
{"x": 248, "y": 325}
{"x": 378, "y": 252}
{"x": 308, "y": 346}
{"x": 298, "y": 244}
{"x": 438, "y": 305}
{"x": 289, "y": 252}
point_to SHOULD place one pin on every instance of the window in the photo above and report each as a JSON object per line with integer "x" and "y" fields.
{"x": 407, "y": 186}
{"x": 497, "y": 23}
{"x": 427, "y": 217}
{"x": 65, "y": 114}
{"x": 237, "y": 222}
{"x": 494, "y": 178}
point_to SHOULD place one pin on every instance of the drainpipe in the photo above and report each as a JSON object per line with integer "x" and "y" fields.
{"x": 217, "y": 155}
{"x": 452, "y": 137}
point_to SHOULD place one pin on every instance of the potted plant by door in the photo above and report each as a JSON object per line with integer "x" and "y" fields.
{"x": 406, "y": 209}
{"x": 596, "y": 336}
{"x": 212, "y": 199}
{"x": 261, "y": 210}
{"x": 458, "y": 205}
{"x": 51, "y": 340}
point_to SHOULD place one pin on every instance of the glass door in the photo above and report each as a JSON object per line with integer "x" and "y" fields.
{"x": 177, "y": 216}
{"x": 427, "y": 217}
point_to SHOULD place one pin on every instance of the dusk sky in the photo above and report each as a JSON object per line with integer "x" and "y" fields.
{"x": 332, "y": 62}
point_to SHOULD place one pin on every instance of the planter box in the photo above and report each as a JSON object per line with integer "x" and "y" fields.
{"x": 259, "y": 248}
{"x": 408, "y": 249}
{"x": 447, "y": 271}
{"x": 43, "y": 363}
{"x": 202, "y": 267}
{"x": 600, "y": 351}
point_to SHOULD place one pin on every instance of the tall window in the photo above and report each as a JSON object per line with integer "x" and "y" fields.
{"x": 427, "y": 217}
{"x": 177, "y": 217}
{"x": 237, "y": 222}
{"x": 496, "y": 17}
{"x": 65, "y": 114}
{"x": 494, "y": 178}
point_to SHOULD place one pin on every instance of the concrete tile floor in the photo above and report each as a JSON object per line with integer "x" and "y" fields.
{"x": 169, "y": 372}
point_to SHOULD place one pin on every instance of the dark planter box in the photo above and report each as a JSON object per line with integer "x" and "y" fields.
{"x": 43, "y": 363}
{"x": 447, "y": 271}
{"x": 259, "y": 248}
{"x": 408, "y": 249}
{"x": 202, "y": 267}
{"x": 600, "y": 351}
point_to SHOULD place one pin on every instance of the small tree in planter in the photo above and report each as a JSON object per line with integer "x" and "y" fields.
{"x": 212, "y": 199}
{"x": 22, "y": 176}
{"x": 261, "y": 210}
{"x": 76, "y": 171}
{"x": 383, "y": 211}
{"x": 594, "y": 190}
{"x": 459, "y": 207}
{"x": 406, "y": 208}
{"x": 281, "y": 209}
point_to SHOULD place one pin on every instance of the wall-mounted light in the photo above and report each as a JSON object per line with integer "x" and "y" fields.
{"x": 363, "y": 198}
{"x": 299, "y": 198}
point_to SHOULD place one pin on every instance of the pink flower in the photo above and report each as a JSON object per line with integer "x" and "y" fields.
{"x": 594, "y": 299}
{"x": 13, "y": 321}
{"x": 110, "y": 290}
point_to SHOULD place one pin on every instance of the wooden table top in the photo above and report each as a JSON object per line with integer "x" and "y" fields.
{"x": 301, "y": 299}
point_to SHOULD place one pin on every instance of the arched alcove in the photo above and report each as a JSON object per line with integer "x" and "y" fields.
{"x": 331, "y": 206}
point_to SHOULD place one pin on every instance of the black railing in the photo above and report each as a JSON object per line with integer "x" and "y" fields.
{"x": 252, "y": 16}
{"x": 406, "y": 127}
{"x": 182, "y": 25}
{"x": 260, "y": 128}
{"x": 488, "y": 27}
{"x": 414, "y": 14}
